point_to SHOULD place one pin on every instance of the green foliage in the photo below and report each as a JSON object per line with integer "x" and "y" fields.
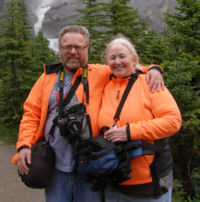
{"x": 152, "y": 49}
{"x": 21, "y": 59}
{"x": 184, "y": 27}
{"x": 41, "y": 52}
{"x": 107, "y": 19}
{"x": 182, "y": 75}
{"x": 185, "y": 144}
{"x": 14, "y": 58}
{"x": 178, "y": 191}
{"x": 8, "y": 133}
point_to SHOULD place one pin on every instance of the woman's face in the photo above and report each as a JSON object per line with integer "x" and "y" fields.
{"x": 120, "y": 60}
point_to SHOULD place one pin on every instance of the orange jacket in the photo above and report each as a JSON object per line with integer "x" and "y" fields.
{"x": 36, "y": 106}
{"x": 151, "y": 116}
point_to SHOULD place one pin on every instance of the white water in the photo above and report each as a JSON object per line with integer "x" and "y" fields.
{"x": 40, "y": 13}
{"x": 53, "y": 44}
{"x": 44, "y": 6}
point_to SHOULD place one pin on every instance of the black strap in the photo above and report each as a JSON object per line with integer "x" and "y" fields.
{"x": 132, "y": 79}
{"x": 84, "y": 79}
{"x": 61, "y": 86}
{"x": 71, "y": 92}
{"x": 85, "y": 82}
{"x": 66, "y": 101}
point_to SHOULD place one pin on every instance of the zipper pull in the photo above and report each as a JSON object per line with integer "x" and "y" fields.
{"x": 118, "y": 92}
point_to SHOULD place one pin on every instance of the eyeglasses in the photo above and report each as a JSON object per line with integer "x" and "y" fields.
{"x": 69, "y": 48}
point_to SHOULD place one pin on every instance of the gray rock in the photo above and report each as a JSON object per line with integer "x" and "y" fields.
{"x": 63, "y": 12}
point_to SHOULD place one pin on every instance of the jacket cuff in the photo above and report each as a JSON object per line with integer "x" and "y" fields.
{"x": 23, "y": 147}
{"x": 156, "y": 68}
{"x": 128, "y": 132}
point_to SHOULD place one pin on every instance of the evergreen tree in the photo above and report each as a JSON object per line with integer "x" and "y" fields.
{"x": 93, "y": 20}
{"x": 184, "y": 27}
{"x": 186, "y": 143}
{"x": 152, "y": 49}
{"x": 107, "y": 19}
{"x": 15, "y": 58}
{"x": 182, "y": 74}
{"x": 41, "y": 52}
{"x": 21, "y": 58}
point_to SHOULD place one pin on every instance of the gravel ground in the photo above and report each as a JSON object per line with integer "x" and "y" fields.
{"x": 11, "y": 187}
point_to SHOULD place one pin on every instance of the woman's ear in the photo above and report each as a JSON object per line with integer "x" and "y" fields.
{"x": 135, "y": 61}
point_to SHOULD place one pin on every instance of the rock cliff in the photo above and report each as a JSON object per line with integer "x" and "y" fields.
{"x": 62, "y": 12}
{"x": 52, "y": 15}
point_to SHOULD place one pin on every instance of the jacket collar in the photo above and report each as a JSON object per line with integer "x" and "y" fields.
{"x": 55, "y": 68}
{"x": 112, "y": 76}
{"x": 52, "y": 68}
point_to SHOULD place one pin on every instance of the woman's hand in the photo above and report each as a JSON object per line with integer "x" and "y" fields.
{"x": 116, "y": 134}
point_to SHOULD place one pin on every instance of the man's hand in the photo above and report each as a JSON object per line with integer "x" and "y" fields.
{"x": 23, "y": 157}
{"x": 156, "y": 80}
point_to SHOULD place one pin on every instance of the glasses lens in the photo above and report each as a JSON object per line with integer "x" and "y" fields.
{"x": 70, "y": 48}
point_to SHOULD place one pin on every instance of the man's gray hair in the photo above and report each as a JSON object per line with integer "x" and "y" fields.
{"x": 75, "y": 28}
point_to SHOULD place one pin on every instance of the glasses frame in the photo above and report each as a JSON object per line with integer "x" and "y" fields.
{"x": 69, "y": 48}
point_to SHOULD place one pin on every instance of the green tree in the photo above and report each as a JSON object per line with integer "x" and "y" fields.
{"x": 107, "y": 19}
{"x": 182, "y": 72}
{"x": 93, "y": 19}
{"x": 184, "y": 27}
{"x": 15, "y": 43}
{"x": 186, "y": 143}
{"x": 184, "y": 35}
{"x": 152, "y": 49}
{"x": 21, "y": 59}
{"x": 41, "y": 52}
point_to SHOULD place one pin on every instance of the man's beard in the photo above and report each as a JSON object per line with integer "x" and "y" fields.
{"x": 72, "y": 66}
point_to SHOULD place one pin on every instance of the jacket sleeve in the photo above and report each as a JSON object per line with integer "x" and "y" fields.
{"x": 166, "y": 121}
{"x": 31, "y": 117}
{"x": 145, "y": 69}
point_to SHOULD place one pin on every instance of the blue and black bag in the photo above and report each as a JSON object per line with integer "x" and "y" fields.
{"x": 104, "y": 162}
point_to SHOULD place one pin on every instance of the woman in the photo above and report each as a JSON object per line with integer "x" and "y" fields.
{"x": 145, "y": 116}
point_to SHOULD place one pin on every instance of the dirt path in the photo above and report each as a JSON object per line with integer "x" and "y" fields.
{"x": 11, "y": 187}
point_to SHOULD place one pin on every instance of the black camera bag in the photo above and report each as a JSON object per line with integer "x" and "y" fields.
{"x": 41, "y": 167}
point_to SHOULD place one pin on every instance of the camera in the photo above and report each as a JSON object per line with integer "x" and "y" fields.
{"x": 74, "y": 123}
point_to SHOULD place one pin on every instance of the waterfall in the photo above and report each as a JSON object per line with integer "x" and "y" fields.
{"x": 53, "y": 44}
{"x": 40, "y": 13}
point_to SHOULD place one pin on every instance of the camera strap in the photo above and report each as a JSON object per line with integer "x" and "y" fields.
{"x": 84, "y": 81}
{"x": 66, "y": 101}
{"x": 82, "y": 78}
{"x": 133, "y": 78}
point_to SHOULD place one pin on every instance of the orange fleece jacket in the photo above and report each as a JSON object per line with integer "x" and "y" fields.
{"x": 151, "y": 116}
{"x": 36, "y": 105}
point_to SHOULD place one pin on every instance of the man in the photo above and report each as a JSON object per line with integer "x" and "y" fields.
{"x": 41, "y": 107}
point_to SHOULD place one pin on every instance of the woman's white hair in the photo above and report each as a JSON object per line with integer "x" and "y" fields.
{"x": 125, "y": 42}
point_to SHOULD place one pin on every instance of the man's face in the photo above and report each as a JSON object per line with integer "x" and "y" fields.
{"x": 73, "y": 51}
